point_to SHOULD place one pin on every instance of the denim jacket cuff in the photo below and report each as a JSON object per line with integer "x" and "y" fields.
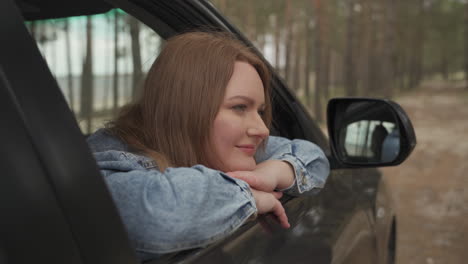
{"x": 302, "y": 178}
{"x": 245, "y": 190}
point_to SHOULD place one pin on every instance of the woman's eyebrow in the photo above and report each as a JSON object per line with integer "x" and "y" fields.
{"x": 241, "y": 97}
{"x": 246, "y": 98}
{"x": 250, "y": 100}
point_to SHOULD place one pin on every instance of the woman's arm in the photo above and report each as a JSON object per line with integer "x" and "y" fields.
{"x": 307, "y": 171}
{"x": 180, "y": 208}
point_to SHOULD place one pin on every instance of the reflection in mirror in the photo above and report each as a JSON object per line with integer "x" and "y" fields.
{"x": 369, "y": 133}
{"x": 372, "y": 140}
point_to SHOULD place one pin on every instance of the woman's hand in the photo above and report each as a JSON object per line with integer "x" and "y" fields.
{"x": 268, "y": 176}
{"x": 267, "y": 202}
{"x": 263, "y": 180}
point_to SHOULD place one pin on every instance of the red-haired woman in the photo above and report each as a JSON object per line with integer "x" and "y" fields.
{"x": 191, "y": 160}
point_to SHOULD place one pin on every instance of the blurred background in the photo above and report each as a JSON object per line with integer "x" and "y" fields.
{"x": 412, "y": 51}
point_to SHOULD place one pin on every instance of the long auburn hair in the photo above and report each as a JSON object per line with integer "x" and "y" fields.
{"x": 171, "y": 120}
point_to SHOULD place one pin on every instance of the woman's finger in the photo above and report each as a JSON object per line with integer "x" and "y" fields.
{"x": 280, "y": 213}
{"x": 277, "y": 195}
{"x": 267, "y": 203}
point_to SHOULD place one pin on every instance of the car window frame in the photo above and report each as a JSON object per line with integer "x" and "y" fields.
{"x": 288, "y": 107}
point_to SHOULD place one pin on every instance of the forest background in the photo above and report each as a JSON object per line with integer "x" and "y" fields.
{"x": 380, "y": 48}
{"x": 321, "y": 48}
{"x": 412, "y": 51}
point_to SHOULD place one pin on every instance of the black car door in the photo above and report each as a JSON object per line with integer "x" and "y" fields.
{"x": 54, "y": 205}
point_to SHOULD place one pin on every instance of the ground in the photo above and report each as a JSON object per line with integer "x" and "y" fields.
{"x": 430, "y": 189}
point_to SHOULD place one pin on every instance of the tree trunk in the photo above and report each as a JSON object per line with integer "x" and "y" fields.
{"x": 261, "y": 43}
{"x": 325, "y": 52}
{"x": 87, "y": 79}
{"x": 109, "y": 62}
{"x": 71, "y": 97}
{"x": 389, "y": 49}
{"x": 287, "y": 37}
{"x": 444, "y": 63}
{"x": 375, "y": 56}
{"x": 466, "y": 44}
{"x": 326, "y": 71}
{"x": 136, "y": 56}
{"x": 349, "y": 70}
{"x": 307, "y": 56}
{"x": 317, "y": 4}
{"x": 278, "y": 42}
{"x": 222, "y": 5}
{"x": 250, "y": 17}
{"x": 296, "y": 79}
{"x": 116, "y": 63}
{"x": 416, "y": 60}
{"x": 53, "y": 51}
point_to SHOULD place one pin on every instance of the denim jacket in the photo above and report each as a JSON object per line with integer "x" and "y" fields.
{"x": 183, "y": 208}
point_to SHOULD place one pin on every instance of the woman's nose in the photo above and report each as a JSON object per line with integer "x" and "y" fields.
{"x": 258, "y": 129}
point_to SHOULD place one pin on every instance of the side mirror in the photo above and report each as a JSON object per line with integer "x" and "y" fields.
{"x": 368, "y": 132}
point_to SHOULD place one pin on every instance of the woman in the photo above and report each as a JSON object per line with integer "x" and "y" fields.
{"x": 191, "y": 160}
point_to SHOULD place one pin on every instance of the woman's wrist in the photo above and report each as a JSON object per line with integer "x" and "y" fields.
{"x": 286, "y": 176}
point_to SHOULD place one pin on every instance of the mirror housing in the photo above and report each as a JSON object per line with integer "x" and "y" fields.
{"x": 366, "y": 132}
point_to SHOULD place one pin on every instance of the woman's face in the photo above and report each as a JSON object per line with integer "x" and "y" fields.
{"x": 238, "y": 128}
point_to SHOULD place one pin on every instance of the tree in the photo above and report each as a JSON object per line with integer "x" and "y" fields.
{"x": 288, "y": 40}
{"x": 109, "y": 62}
{"x": 277, "y": 35}
{"x": 71, "y": 97}
{"x": 350, "y": 81}
{"x": 296, "y": 80}
{"x": 87, "y": 78}
{"x": 308, "y": 59}
{"x": 417, "y": 46}
{"x": 320, "y": 32}
{"x": 136, "y": 56}
{"x": 116, "y": 63}
{"x": 466, "y": 43}
{"x": 370, "y": 47}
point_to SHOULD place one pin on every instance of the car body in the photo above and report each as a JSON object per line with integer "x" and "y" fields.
{"x": 56, "y": 208}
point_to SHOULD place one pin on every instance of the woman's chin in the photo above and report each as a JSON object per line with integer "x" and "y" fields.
{"x": 238, "y": 164}
{"x": 244, "y": 166}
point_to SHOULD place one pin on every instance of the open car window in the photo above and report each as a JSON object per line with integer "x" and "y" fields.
{"x": 99, "y": 61}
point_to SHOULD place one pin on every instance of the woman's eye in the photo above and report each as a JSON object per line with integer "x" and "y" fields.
{"x": 261, "y": 112}
{"x": 239, "y": 108}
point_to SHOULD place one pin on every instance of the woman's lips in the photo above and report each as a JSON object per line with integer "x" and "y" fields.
{"x": 248, "y": 149}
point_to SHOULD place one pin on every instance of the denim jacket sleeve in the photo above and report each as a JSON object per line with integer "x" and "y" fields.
{"x": 180, "y": 208}
{"x": 183, "y": 208}
{"x": 311, "y": 166}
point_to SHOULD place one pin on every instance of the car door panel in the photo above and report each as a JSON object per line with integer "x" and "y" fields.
{"x": 49, "y": 156}
{"x": 31, "y": 217}
{"x": 326, "y": 228}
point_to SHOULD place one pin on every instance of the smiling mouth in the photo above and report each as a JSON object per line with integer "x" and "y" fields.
{"x": 248, "y": 149}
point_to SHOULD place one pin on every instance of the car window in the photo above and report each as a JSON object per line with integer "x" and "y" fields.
{"x": 99, "y": 61}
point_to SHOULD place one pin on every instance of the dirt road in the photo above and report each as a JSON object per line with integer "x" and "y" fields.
{"x": 431, "y": 188}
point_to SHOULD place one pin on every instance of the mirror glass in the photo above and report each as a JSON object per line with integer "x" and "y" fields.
{"x": 368, "y": 133}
